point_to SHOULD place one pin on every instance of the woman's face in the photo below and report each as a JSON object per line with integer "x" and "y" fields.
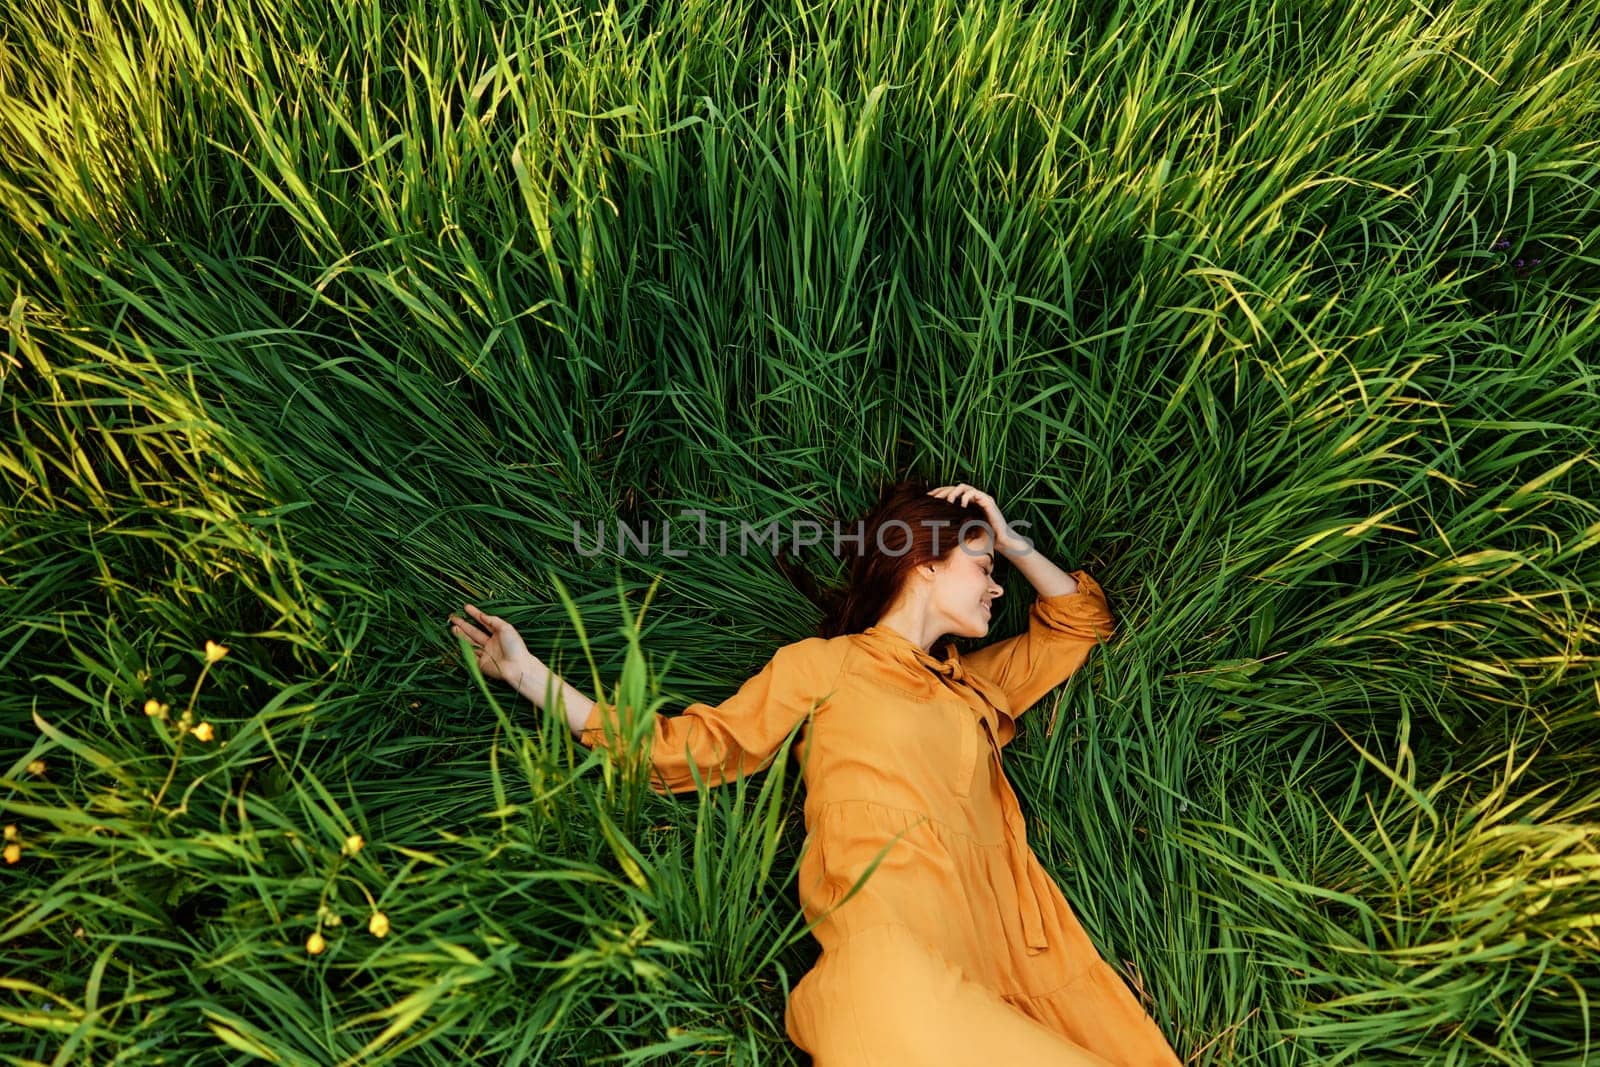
{"x": 963, "y": 587}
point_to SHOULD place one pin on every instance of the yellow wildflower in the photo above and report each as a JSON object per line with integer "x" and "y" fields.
{"x": 203, "y": 732}
{"x": 316, "y": 943}
{"x": 155, "y": 709}
{"x": 36, "y": 768}
{"x": 215, "y": 651}
{"x": 11, "y": 831}
{"x": 378, "y": 925}
{"x": 352, "y": 844}
{"x": 13, "y": 852}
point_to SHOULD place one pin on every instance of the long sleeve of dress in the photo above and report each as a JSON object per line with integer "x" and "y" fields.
{"x": 1061, "y": 631}
{"x": 739, "y": 735}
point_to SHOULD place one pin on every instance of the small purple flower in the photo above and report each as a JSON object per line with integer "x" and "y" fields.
{"x": 1524, "y": 267}
{"x": 1500, "y": 245}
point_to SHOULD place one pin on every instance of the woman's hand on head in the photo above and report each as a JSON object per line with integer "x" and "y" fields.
{"x": 1006, "y": 539}
{"x": 498, "y": 647}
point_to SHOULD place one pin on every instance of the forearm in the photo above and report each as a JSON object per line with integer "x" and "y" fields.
{"x": 1046, "y": 578}
{"x": 537, "y": 682}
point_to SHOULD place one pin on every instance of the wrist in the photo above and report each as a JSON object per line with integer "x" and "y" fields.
{"x": 1013, "y": 545}
{"x": 578, "y": 715}
{"x": 530, "y": 678}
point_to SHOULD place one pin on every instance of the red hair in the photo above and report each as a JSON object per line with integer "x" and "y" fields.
{"x": 905, "y": 529}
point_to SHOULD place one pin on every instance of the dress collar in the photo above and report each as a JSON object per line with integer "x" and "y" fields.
{"x": 908, "y": 651}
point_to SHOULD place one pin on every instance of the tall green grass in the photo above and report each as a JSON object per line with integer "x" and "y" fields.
{"x": 324, "y": 319}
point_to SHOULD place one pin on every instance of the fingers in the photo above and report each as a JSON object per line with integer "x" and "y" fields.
{"x": 487, "y": 620}
{"x": 963, "y": 494}
{"x": 470, "y": 632}
{"x": 492, "y": 623}
{"x": 494, "y": 627}
{"x": 461, "y": 629}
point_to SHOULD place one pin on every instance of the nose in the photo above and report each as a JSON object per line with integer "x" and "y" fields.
{"x": 996, "y": 590}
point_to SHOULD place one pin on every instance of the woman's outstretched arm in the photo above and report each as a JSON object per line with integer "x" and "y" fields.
{"x": 713, "y": 743}
{"x": 502, "y": 654}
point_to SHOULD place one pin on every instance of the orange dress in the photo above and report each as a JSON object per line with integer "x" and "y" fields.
{"x": 957, "y": 949}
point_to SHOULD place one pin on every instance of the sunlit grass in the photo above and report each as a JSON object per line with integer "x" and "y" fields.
{"x": 325, "y": 319}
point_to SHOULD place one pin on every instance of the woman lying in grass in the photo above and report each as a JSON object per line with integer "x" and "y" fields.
{"x": 958, "y": 948}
